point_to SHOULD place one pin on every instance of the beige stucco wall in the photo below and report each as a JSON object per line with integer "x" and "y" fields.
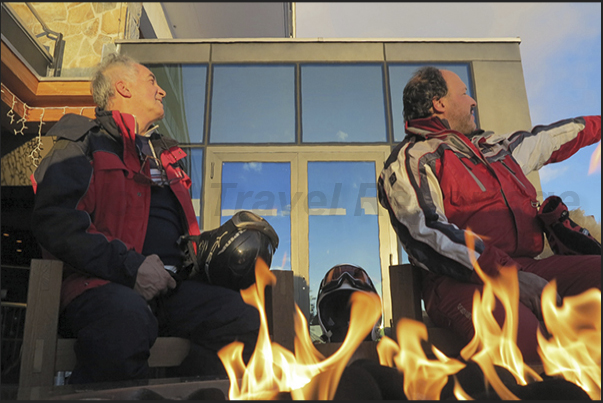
{"x": 86, "y": 28}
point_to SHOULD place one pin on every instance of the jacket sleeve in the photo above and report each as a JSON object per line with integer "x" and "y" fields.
{"x": 409, "y": 189}
{"x": 553, "y": 143}
{"x": 63, "y": 225}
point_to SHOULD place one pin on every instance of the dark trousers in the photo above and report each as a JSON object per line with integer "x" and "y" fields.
{"x": 115, "y": 329}
{"x": 449, "y": 303}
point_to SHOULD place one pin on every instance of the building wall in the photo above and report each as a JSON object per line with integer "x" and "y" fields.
{"x": 86, "y": 27}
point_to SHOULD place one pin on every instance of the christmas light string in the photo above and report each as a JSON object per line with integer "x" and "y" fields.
{"x": 36, "y": 152}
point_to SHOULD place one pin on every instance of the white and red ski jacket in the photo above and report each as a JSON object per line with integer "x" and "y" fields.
{"x": 437, "y": 184}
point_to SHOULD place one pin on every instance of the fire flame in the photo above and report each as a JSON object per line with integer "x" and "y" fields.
{"x": 595, "y": 160}
{"x": 458, "y": 391}
{"x": 574, "y": 348}
{"x": 307, "y": 375}
{"x": 423, "y": 378}
{"x": 497, "y": 346}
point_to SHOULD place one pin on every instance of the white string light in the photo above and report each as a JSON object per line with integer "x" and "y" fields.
{"x": 36, "y": 152}
{"x": 11, "y": 113}
{"x": 22, "y": 121}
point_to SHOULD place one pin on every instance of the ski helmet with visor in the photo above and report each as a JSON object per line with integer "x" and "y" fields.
{"x": 226, "y": 256}
{"x": 333, "y": 308}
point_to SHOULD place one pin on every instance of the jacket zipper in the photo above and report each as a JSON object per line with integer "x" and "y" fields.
{"x": 479, "y": 183}
{"x": 513, "y": 174}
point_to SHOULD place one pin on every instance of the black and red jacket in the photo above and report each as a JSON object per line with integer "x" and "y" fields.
{"x": 91, "y": 207}
{"x": 438, "y": 184}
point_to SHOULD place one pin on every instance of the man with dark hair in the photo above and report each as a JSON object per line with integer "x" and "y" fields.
{"x": 112, "y": 202}
{"x": 447, "y": 177}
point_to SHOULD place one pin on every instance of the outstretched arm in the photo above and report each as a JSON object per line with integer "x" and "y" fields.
{"x": 553, "y": 143}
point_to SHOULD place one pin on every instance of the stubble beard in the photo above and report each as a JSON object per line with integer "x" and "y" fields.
{"x": 464, "y": 124}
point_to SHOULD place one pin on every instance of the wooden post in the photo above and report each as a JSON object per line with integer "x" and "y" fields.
{"x": 280, "y": 309}
{"x": 40, "y": 331}
{"x": 406, "y": 293}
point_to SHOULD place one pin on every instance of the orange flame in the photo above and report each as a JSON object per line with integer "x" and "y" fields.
{"x": 574, "y": 348}
{"x": 497, "y": 347}
{"x": 365, "y": 311}
{"x": 458, "y": 391}
{"x": 595, "y": 160}
{"x": 307, "y": 375}
{"x": 423, "y": 378}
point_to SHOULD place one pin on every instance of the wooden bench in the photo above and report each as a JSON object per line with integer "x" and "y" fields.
{"x": 44, "y": 353}
{"x": 405, "y": 282}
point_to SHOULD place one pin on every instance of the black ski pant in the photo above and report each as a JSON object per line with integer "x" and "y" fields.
{"x": 115, "y": 329}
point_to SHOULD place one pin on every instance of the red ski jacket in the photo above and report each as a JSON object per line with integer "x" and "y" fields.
{"x": 92, "y": 203}
{"x": 437, "y": 184}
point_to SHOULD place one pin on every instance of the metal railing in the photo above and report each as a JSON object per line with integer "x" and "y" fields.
{"x": 22, "y": 41}
{"x": 57, "y": 37}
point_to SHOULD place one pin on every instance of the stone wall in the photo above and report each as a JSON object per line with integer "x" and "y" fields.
{"x": 86, "y": 27}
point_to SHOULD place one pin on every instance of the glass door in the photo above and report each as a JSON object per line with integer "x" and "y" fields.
{"x": 321, "y": 201}
{"x": 263, "y": 188}
{"x": 343, "y": 224}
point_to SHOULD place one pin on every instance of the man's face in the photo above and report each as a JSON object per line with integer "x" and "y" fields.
{"x": 459, "y": 106}
{"x": 147, "y": 96}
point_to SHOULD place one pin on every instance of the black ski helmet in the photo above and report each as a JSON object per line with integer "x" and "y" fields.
{"x": 226, "y": 256}
{"x": 333, "y": 298}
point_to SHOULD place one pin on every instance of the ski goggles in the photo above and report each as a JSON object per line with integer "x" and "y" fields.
{"x": 354, "y": 274}
{"x": 247, "y": 220}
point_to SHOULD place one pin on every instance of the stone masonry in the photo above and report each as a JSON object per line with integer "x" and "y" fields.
{"x": 86, "y": 28}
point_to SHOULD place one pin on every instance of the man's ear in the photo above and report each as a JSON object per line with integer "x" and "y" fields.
{"x": 122, "y": 88}
{"x": 438, "y": 105}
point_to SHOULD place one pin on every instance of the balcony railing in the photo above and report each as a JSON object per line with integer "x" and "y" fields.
{"x": 24, "y": 43}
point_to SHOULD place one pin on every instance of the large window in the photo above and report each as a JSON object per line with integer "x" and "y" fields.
{"x": 342, "y": 219}
{"x": 253, "y": 104}
{"x": 399, "y": 74}
{"x": 184, "y": 103}
{"x": 265, "y": 189}
{"x": 343, "y": 103}
{"x": 263, "y": 103}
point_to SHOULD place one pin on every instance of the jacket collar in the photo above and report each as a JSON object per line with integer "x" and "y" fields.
{"x": 122, "y": 126}
{"x": 432, "y": 125}
{"x": 105, "y": 118}
{"x": 425, "y": 126}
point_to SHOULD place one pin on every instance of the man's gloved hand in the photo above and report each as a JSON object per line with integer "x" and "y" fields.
{"x": 153, "y": 279}
{"x": 530, "y": 291}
